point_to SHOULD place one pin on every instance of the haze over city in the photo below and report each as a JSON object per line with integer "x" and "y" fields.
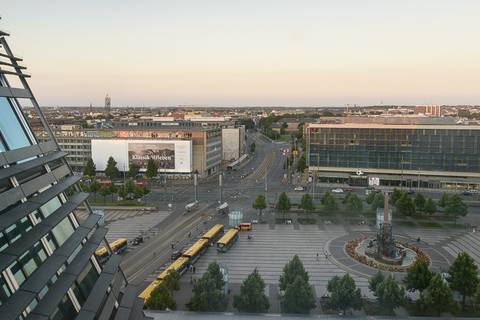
{"x": 312, "y": 53}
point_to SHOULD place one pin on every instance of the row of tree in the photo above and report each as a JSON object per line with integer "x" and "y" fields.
{"x": 113, "y": 172}
{"x": 129, "y": 189}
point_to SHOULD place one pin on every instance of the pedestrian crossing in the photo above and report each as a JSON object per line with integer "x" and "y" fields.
{"x": 136, "y": 225}
{"x": 469, "y": 243}
{"x": 112, "y": 215}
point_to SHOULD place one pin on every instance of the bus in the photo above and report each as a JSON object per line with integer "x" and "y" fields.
{"x": 117, "y": 246}
{"x": 180, "y": 265}
{"x": 228, "y": 240}
{"x": 214, "y": 233}
{"x": 196, "y": 250}
{"x": 189, "y": 207}
{"x": 223, "y": 208}
{"x": 245, "y": 226}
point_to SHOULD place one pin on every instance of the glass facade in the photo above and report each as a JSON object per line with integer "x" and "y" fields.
{"x": 425, "y": 149}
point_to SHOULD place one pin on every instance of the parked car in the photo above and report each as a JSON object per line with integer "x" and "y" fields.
{"x": 467, "y": 193}
{"x": 337, "y": 190}
{"x": 272, "y": 205}
{"x": 348, "y": 190}
{"x": 137, "y": 240}
{"x": 411, "y": 192}
{"x": 299, "y": 188}
{"x": 176, "y": 254}
{"x": 254, "y": 221}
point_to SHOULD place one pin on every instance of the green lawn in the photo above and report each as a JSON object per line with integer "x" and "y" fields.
{"x": 429, "y": 224}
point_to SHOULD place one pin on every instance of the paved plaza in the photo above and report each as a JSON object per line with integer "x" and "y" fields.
{"x": 273, "y": 246}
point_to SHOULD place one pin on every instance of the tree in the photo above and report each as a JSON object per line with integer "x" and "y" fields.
{"x": 208, "y": 293}
{"x": 94, "y": 188}
{"x": 456, "y": 207}
{"x": 111, "y": 170}
{"x": 161, "y": 299}
{"x": 252, "y": 147}
{"x": 104, "y": 192}
{"x": 291, "y": 270}
{"x": 389, "y": 294}
{"x": 283, "y": 203}
{"x": 133, "y": 170}
{"x": 370, "y": 198}
{"x": 374, "y": 281}
{"x": 90, "y": 168}
{"x": 418, "y": 276}
{"x": 138, "y": 191}
{"x": 298, "y": 297}
{"x": 260, "y": 203}
{"x": 354, "y": 204}
{"x": 252, "y": 297}
{"x": 112, "y": 188}
{"x": 329, "y": 203}
{"x": 216, "y": 274}
{"x": 344, "y": 294}
{"x": 405, "y": 205}
{"x": 122, "y": 192}
{"x": 419, "y": 202}
{"x": 476, "y": 299}
{"x": 396, "y": 194}
{"x": 172, "y": 280}
{"x": 152, "y": 169}
{"x": 443, "y": 200}
{"x": 378, "y": 201}
{"x": 430, "y": 207}
{"x": 129, "y": 186}
{"x": 463, "y": 277}
{"x": 437, "y": 298}
{"x": 307, "y": 203}
{"x": 302, "y": 163}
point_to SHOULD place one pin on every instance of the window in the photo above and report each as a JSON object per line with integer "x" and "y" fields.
{"x": 5, "y": 292}
{"x": 30, "y": 174}
{"x": 49, "y": 207}
{"x": 33, "y": 258}
{"x": 3, "y": 242}
{"x": 17, "y": 230}
{"x": 10, "y": 126}
{"x": 17, "y": 273}
{"x": 62, "y": 231}
{"x": 65, "y": 310}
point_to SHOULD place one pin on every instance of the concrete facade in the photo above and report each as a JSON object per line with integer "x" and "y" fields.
{"x": 233, "y": 142}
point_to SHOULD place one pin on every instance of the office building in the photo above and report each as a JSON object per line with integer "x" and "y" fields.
{"x": 233, "y": 143}
{"x": 48, "y": 269}
{"x": 398, "y": 153}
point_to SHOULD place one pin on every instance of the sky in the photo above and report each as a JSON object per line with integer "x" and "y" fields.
{"x": 244, "y": 53}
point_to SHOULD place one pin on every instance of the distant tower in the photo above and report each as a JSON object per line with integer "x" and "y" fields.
{"x": 108, "y": 104}
{"x": 91, "y": 108}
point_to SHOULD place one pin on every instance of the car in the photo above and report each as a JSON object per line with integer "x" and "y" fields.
{"x": 176, "y": 254}
{"x": 348, "y": 190}
{"x": 254, "y": 221}
{"x": 299, "y": 188}
{"x": 466, "y": 193}
{"x": 337, "y": 190}
{"x": 410, "y": 192}
{"x": 272, "y": 205}
{"x": 137, "y": 240}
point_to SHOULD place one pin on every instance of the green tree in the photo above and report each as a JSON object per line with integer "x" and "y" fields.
{"x": 90, "y": 169}
{"x": 405, "y": 205}
{"x": 283, "y": 203}
{"x": 291, "y": 270}
{"x": 111, "y": 170}
{"x": 476, "y": 298}
{"x": 152, "y": 169}
{"x": 112, "y": 188}
{"x": 437, "y": 298}
{"x": 104, "y": 192}
{"x": 443, "y": 200}
{"x": 389, "y": 294}
{"x": 302, "y": 163}
{"x": 122, "y": 193}
{"x": 329, "y": 203}
{"x": 260, "y": 203}
{"x": 161, "y": 299}
{"x": 129, "y": 186}
{"x": 307, "y": 203}
{"x": 374, "y": 281}
{"x": 378, "y": 201}
{"x": 418, "y": 276}
{"x": 354, "y": 203}
{"x": 298, "y": 297}
{"x": 94, "y": 188}
{"x": 133, "y": 170}
{"x": 456, "y": 207}
{"x": 370, "y": 198}
{"x": 395, "y": 195}
{"x": 430, "y": 207}
{"x": 207, "y": 295}
{"x": 252, "y": 297}
{"x": 419, "y": 202}
{"x": 344, "y": 294}
{"x": 252, "y": 147}
{"x": 463, "y": 276}
{"x": 172, "y": 280}
{"x": 214, "y": 271}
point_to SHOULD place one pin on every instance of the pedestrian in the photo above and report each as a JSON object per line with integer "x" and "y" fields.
{"x": 172, "y": 245}
{"x": 317, "y": 256}
{"x": 194, "y": 269}
{"x": 190, "y": 234}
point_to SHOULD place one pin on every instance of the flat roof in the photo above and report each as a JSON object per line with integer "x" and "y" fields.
{"x": 390, "y": 126}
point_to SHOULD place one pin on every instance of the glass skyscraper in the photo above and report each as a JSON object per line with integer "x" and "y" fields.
{"x": 47, "y": 262}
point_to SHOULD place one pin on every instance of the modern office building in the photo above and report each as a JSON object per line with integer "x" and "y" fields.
{"x": 396, "y": 153}
{"x": 48, "y": 269}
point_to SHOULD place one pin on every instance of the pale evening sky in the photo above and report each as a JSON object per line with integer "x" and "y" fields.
{"x": 279, "y": 52}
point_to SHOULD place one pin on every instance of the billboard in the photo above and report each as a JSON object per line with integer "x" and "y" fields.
{"x": 373, "y": 181}
{"x": 173, "y": 156}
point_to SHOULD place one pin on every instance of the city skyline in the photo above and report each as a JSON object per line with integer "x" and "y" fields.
{"x": 314, "y": 54}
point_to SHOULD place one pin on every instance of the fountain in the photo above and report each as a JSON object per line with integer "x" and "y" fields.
{"x": 383, "y": 251}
